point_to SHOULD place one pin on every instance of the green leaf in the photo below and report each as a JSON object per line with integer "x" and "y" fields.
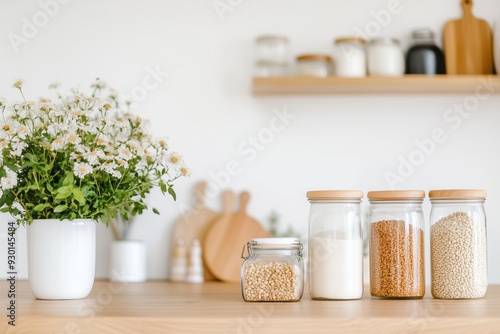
{"x": 69, "y": 179}
{"x": 49, "y": 187}
{"x": 60, "y": 208}
{"x": 31, "y": 157}
{"x": 78, "y": 194}
{"x": 163, "y": 186}
{"x": 155, "y": 210}
{"x": 41, "y": 207}
{"x": 63, "y": 192}
{"x": 172, "y": 193}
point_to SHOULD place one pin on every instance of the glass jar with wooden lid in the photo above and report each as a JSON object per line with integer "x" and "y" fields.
{"x": 350, "y": 57}
{"x": 459, "y": 268}
{"x": 396, "y": 244}
{"x": 314, "y": 65}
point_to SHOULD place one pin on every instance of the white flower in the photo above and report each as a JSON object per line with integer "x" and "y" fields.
{"x": 17, "y": 148}
{"x": 184, "y": 171}
{"x": 54, "y": 85}
{"x": 124, "y": 153}
{"x": 98, "y": 84}
{"x": 18, "y": 83}
{"x": 73, "y": 138}
{"x": 82, "y": 169}
{"x": 94, "y": 156}
{"x": 9, "y": 181}
{"x": 58, "y": 144}
{"x": 110, "y": 168}
{"x": 175, "y": 158}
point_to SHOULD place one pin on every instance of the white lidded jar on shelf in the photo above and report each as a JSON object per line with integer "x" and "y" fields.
{"x": 350, "y": 57}
{"x": 335, "y": 244}
{"x": 385, "y": 58}
{"x": 459, "y": 268}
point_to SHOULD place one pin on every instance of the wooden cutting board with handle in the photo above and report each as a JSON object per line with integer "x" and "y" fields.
{"x": 226, "y": 237}
{"x": 193, "y": 224}
{"x": 468, "y": 44}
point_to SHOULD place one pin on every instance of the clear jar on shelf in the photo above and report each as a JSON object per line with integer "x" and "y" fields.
{"x": 459, "y": 267}
{"x": 396, "y": 244}
{"x": 314, "y": 65}
{"x": 350, "y": 57}
{"x": 273, "y": 271}
{"x": 272, "y": 56}
{"x": 335, "y": 244}
{"x": 385, "y": 58}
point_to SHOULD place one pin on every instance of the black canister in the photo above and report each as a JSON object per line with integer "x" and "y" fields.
{"x": 424, "y": 57}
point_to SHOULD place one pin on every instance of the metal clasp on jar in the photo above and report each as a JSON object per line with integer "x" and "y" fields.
{"x": 249, "y": 250}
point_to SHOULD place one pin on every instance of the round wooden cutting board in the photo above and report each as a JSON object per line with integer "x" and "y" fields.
{"x": 226, "y": 237}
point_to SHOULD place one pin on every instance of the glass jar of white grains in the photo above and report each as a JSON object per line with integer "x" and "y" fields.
{"x": 273, "y": 271}
{"x": 458, "y": 244}
{"x": 335, "y": 244}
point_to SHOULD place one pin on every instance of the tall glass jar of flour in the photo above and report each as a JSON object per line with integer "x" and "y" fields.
{"x": 458, "y": 244}
{"x": 335, "y": 244}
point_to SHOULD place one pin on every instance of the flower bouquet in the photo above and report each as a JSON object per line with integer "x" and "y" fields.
{"x": 66, "y": 162}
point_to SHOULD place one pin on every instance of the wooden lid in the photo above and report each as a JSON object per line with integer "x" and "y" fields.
{"x": 388, "y": 195}
{"x": 271, "y": 38}
{"x": 350, "y": 40}
{"x": 334, "y": 194}
{"x": 320, "y": 57}
{"x": 457, "y": 194}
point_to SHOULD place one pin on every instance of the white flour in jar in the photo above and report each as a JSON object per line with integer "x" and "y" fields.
{"x": 336, "y": 268}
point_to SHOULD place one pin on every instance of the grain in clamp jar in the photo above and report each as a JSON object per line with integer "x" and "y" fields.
{"x": 335, "y": 244}
{"x": 458, "y": 244}
{"x": 396, "y": 244}
{"x": 273, "y": 271}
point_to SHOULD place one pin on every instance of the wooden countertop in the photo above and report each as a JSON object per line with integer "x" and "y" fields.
{"x": 162, "y": 307}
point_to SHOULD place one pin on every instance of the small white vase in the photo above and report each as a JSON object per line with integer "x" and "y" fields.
{"x": 61, "y": 258}
{"x": 127, "y": 261}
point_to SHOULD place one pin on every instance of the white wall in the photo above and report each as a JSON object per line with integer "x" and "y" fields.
{"x": 206, "y": 107}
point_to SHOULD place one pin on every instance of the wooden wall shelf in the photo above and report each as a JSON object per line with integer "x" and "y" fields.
{"x": 162, "y": 307}
{"x": 408, "y": 84}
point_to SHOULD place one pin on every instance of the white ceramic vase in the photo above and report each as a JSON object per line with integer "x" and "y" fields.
{"x": 61, "y": 258}
{"x": 127, "y": 261}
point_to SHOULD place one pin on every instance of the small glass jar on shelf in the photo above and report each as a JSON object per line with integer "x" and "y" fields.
{"x": 314, "y": 65}
{"x": 350, "y": 57}
{"x": 272, "y": 56}
{"x": 385, "y": 58}
{"x": 273, "y": 271}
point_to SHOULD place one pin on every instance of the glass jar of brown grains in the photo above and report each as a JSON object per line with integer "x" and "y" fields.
{"x": 458, "y": 244}
{"x": 396, "y": 244}
{"x": 273, "y": 271}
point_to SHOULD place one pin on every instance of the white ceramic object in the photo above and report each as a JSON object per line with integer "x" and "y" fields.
{"x": 496, "y": 46}
{"x": 61, "y": 258}
{"x": 128, "y": 261}
{"x": 385, "y": 58}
